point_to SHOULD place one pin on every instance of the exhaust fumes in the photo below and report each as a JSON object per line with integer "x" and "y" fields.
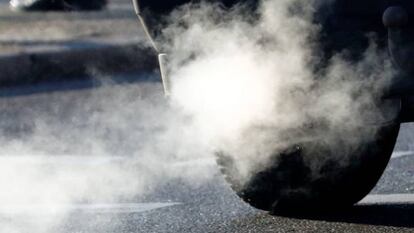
{"x": 253, "y": 84}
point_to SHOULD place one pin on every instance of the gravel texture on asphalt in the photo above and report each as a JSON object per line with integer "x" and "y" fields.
{"x": 209, "y": 206}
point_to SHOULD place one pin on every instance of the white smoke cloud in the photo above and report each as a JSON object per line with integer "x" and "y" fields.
{"x": 114, "y": 144}
{"x": 236, "y": 75}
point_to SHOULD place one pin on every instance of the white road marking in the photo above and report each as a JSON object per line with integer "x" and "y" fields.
{"x": 92, "y": 160}
{"x": 83, "y": 208}
{"x": 388, "y": 199}
{"x": 103, "y": 160}
{"x": 63, "y": 159}
{"x": 399, "y": 154}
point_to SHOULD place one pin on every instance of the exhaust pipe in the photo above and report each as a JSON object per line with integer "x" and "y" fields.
{"x": 162, "y": 57}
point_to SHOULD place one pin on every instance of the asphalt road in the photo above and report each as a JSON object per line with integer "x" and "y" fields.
{"x": 75, "y": 158}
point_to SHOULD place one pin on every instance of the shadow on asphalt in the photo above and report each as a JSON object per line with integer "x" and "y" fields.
{"x": 395, "y": 215}
{"x": 76, "y": 84}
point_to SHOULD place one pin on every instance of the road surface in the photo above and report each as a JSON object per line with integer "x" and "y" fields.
{"x": 75, "y": 158}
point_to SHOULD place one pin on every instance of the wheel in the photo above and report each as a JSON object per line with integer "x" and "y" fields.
{"x": 292, "y": 184}
{"x": 310, "y": 176}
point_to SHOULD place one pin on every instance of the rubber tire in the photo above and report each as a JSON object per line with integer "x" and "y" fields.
{"x": 287, "y": 187}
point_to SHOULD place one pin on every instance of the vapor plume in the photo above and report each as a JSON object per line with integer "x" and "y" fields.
{"x": 252, "y": 85}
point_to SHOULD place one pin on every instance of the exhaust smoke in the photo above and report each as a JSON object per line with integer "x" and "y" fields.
{"x": 253, "y": 82}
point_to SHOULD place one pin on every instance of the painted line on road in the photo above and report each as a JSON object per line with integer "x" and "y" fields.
{"x": 388, "y": 199}
{"x": 92, "y": 160}
{"x": 103, "y": 160}
{"x": 63, "y": 159}
{"x": 399, "y": 154}
{"x": 83, "y": 208}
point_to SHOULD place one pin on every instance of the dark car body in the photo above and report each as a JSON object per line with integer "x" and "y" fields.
{"x": 346, "y": 24}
